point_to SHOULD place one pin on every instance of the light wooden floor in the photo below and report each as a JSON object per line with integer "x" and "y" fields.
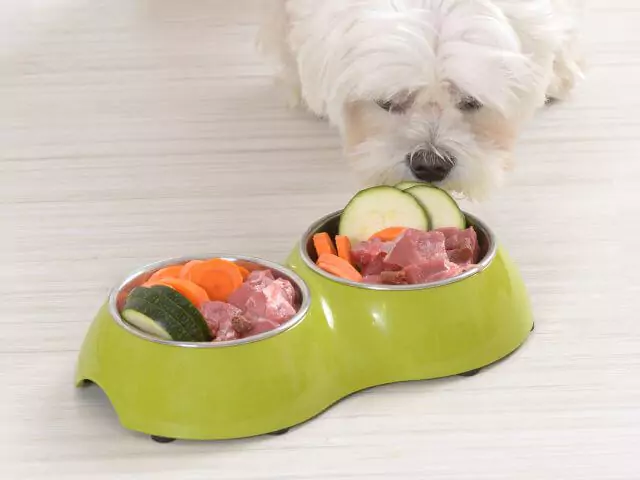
{"x": 133, "y": 130}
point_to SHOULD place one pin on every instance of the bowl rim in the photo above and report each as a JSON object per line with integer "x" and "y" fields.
{"x": 472, "y": 220}
{"x": 151, "y": 267}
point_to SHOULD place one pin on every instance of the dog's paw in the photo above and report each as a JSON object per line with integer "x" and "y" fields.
{"x": 294, "y": 99}
{"x": 561, "y": 86}
{"x": 567, "y": 72}
{"x": 290, "y": 91}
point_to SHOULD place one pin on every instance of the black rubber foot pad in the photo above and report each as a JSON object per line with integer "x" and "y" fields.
{"x": 280, "y": 432}
{"x": 533, "y": 327}
{"x": 155, "y": 438}
{"x": 470, "y": 373}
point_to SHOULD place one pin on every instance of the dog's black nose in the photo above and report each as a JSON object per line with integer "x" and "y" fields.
{"x": 430, "y": 165}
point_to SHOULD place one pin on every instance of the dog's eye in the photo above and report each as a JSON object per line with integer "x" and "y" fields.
{"x": 469, "y": 104}
{"x": 390, "y": 106}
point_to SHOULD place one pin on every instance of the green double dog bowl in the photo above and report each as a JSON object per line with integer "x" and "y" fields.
{"x": 345, "y": 338}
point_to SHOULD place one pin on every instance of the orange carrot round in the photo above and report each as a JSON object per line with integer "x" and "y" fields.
{"x": 388, "y": 234}
{"x": 339, "y": 267}
{"x": 323, "y": 244}
{"x": 184, "y": 273}
{"x": 168, "y": 272}
{"x": 243, "y": 271}
{"x": 194, "y": 293}
{"x": 343, "y": 245}
{"x": 218, "y": 277}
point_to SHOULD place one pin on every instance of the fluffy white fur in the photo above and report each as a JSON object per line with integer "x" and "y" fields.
{"x": 342, "y": 58}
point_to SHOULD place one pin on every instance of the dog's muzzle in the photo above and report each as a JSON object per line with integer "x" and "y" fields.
{"x": 430, "y": 165}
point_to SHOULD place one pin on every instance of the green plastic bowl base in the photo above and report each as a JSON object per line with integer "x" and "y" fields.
{"x": 351, "y": 339}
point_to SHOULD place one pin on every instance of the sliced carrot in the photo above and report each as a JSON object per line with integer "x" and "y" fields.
{"x": 219, "y": 278}
{"x": 194, "y": 293}
{"x": 388, "y": 234}
{"x": 184, "y": 273}
{"x": 343, "y": 245}
{"x": 338, "y": 267}
{"x": 168, "y": 272}
{"x": 323, "y": 244}
{"x": 243, "y": 271}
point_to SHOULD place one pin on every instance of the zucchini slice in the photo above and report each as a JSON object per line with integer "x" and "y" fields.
{"x": 407, "y": 184}
{"x": 376, "y": 208}
{"x": 442, "y": 209}
{"x": 146, "y": 324}
{"x": 170, "y": 310}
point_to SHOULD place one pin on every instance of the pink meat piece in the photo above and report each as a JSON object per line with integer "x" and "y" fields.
{"x": 375, "y": 266}
{"x": 379, "y": 265}
{"x": 244, "y": 297}
{"x": 450, "y": 236}
{"x": 371, "y": 279}
{"x": 261, "y": 304}
{"x": 453, "y": 271}
{"x": 226, "y": 333}
{"x": 218, "y": 314}
{"x": 417, "y": 256}
{"x": 363, "y": 253}
{"x": 263, "y": 297}
{"x": 247, "y": 299}
{"x": 370, "y": 257}
{"x": 461, "y": 256}
{"x": 258, "y": 279}
{"x": 261, "y": 325}
{"x": 431, "y": 271}
{"x": 462, "y": 245}
{"x": 420, "y": 273}
{"x": 242, "y": 324}
{"x": 288, "y": 289}
{"x": 415, "y": 247}
{"x": 278, "y": 307}
{"x": 394, "y": 278}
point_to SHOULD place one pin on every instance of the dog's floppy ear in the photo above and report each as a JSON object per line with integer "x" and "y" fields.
{"x": 542, "y": 30}
{"x": 486, "y": 53}
{"x": 362, "y": 54}
{"x": 497, "y": 79}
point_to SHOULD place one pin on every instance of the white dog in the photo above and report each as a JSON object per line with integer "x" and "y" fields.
{"x": 436, "y": 90}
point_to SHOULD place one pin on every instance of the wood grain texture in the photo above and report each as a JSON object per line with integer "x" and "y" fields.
{"x": 133, "y": 130}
